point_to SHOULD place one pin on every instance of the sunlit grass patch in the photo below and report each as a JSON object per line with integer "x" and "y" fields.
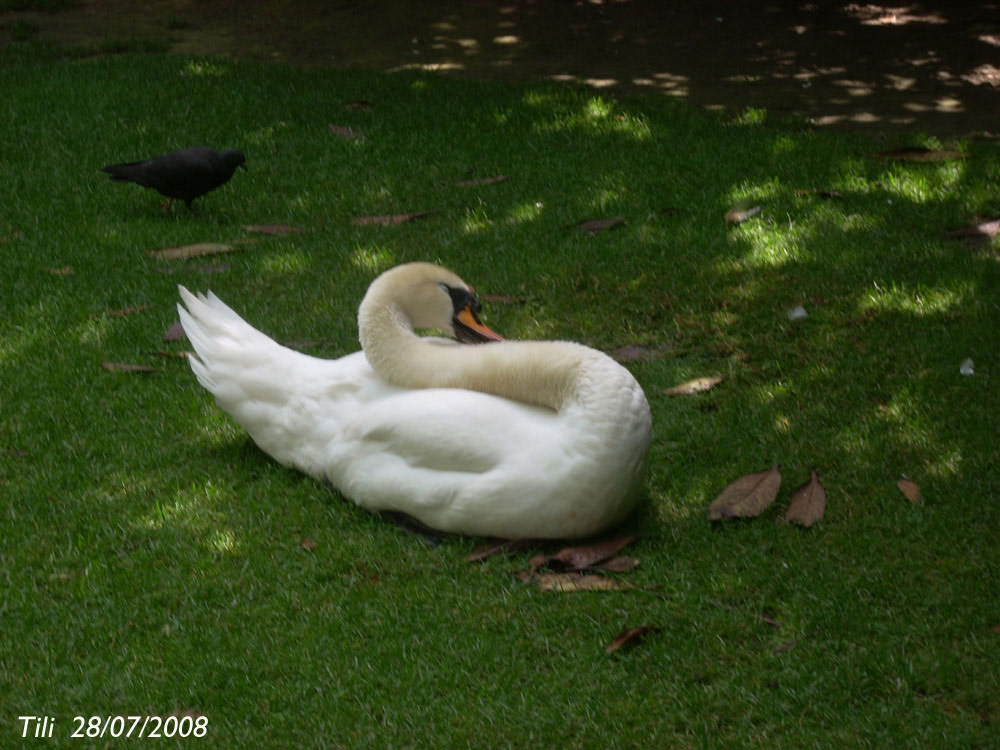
{"x": 157, "y": 560}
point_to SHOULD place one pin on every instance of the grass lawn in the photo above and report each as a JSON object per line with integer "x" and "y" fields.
{"x": 153, "y": 561}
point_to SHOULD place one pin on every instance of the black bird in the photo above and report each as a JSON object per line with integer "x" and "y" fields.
{"x": 184, "y": 174}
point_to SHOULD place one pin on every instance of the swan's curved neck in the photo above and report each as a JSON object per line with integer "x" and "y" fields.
{"x": 533, "y": 372}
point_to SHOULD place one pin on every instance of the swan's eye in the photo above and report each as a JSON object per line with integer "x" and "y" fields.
{"x": 463, "y": 299}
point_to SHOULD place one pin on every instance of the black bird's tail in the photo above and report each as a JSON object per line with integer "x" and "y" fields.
{"x": 128, "y": 172}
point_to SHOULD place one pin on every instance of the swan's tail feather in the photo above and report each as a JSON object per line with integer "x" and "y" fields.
{"x": 266, "y": 387}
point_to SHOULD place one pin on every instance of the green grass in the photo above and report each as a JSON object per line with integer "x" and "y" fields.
{"x": 151, "y": 557}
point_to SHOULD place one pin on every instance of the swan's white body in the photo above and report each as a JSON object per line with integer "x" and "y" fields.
{"x": 507, "y": 439}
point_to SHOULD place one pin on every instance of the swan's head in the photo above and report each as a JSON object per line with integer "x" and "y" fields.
{"x": 427, "y": 296}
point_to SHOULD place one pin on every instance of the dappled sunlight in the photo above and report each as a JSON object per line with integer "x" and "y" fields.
{"x": 476, "y": 220}
{"x": 526, "y": 212}
{"x": 899, "y": 298}
{"x": 373, "y": 260}
{"x": 291, "y": 261}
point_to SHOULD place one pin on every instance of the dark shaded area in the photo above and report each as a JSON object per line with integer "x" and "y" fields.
{"x": 930, "y": 66}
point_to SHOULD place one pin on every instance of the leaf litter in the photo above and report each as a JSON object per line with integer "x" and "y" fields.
{"x": 808, "y": 503}
{"x": 695, "y": 385}
{"x": 198, "y": 249}
{"x": 390, "y": 219}
{"x": 127, "y": 367}
{"x": 630, "y": 637}
{"x": 279, "y": 230}
{"x": 596, "y": 226}
{"x": 910, "y": 490}
{"x": 747, "y": 497}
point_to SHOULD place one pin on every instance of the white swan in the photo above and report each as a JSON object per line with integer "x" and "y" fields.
{"x": 510, "y": 439}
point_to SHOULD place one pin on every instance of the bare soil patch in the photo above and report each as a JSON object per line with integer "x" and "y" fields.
{"x": 930, "y": 66}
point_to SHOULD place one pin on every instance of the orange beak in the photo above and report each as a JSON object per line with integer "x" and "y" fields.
{"x": 469, "y": 329}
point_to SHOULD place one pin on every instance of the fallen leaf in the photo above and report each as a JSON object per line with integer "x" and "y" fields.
{"x": 747, "y": 497}
{"x": 587, "y": 555}
{"x": 348, "y": 133}
{"x": 536, "y": 562}
{"x": 504, "y": 299}
{"x": 808, "y": 503}
{"x": 175, "y": 332}
{"x": 910, "y": 489}
{"x": 617, "y": 564}
{"x": 389, "y": 219}
{"x": 978, "y": 232}
{"x": 568, "y": 583}
{"x": 596, "y": 226}
{"x": 124, "y": 367}
{"x": 829, "y": 194}
{"x": 64, "y": 271}
{"x": 307, "y": 544}
{"x": 494, "y": 548}
{"x": 276, "y": 229}
{"x": 191, "y": 251}
{"x": 481, "y": 181}
{"x": 741, "y": 212}
{"x": 918, "y": 153}
{"x": 695, "y": 385}
{"x": 359, "y": 105}
{"x": 171, "y": 355}
{"x": 630, "y": 637}
{"x": 636, "y": 353}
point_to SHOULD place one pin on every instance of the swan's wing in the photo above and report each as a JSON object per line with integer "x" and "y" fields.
{"x": 419, "y": 449}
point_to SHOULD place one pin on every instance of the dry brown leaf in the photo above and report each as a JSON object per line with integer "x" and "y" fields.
{"x": 182, "y": 252}
{"x": 747, "y": 497}
{"x": 124, "y": 367}
{"x": 481, "y": 181}
{"x": 568, "y": 583}
{"x": 596, "y": 226}
{"x": 276, "y": 229}
{"x": 348, "y": 133}
{"x": 918, "y": 153}
{"x": 637, "y": 353}
{"x": 308, "y": 544}
{"x": 617, "y": 564}
{"x": 494, "y": 548}
{"x": 64, "y": 271}
{"x": 977, "y": 233}
{"x": 910, "y": 489}
{"x": 588, "y": 555}
{"x": 175, "y": 332}
{"x": 697, "y": 385}
{"x": 808, "y": 503}
{"x": 171, "y": 355}
{"x": 741, "y": 212}
{"x": 504, "y": 299}
{"x": 359, "y": 105}
{"x": 630, "y": 637}
{"x": 390, "y": 219}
